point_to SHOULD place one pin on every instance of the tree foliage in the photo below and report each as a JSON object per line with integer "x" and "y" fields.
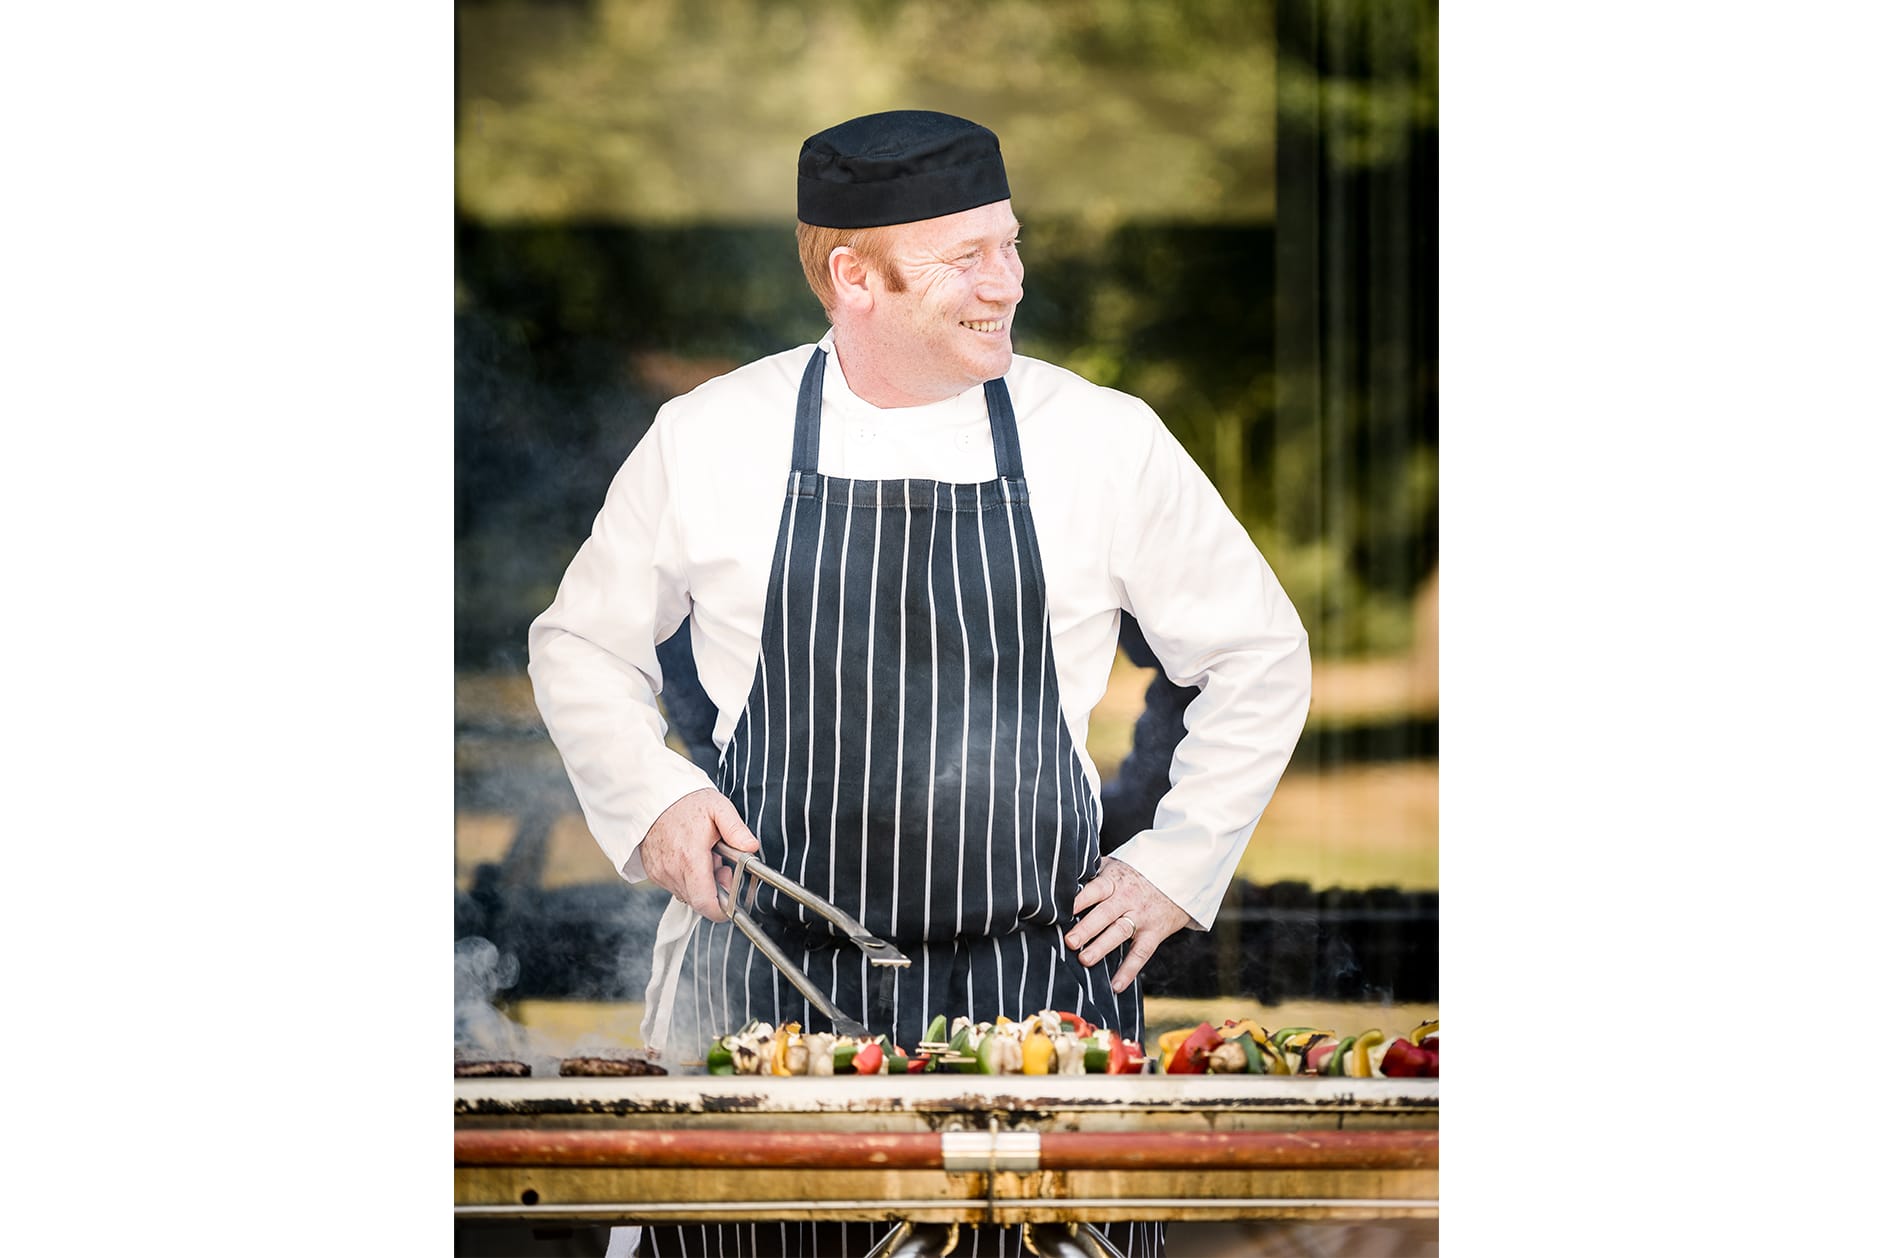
{"x": 1230, "y": 211}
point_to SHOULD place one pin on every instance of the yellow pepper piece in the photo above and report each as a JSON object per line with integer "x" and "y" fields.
{"x": 1037, "y": 1054}
{"x": 781, "y": 1045}
{"x": 1362, "y": 1066}
{"x": 1423, "y": 1030}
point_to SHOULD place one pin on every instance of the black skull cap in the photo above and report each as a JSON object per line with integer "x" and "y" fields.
{"x": 898, "y": 167}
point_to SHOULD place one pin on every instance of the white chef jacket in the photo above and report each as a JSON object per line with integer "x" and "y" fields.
{"x": 1125, "y": 518}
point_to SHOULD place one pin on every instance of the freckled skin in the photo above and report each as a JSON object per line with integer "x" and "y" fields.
{"x": 912, "y": 348}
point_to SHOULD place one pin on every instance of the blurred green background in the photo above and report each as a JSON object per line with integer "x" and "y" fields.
{"x": 1231, "y": 212}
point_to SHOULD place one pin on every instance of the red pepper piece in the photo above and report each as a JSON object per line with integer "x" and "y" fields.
{"x": 1193, "y": 1055}
{"x": 1405, "y": 1061}
{"x": 868, "y": 1058}
{"x": 1399, "y": 1062}
{"x": 1125, "y": 1057}
{"x": 1077, "y": 1024}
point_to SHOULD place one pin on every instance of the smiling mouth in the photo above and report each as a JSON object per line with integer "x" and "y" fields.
{"x": 984, "y": 325}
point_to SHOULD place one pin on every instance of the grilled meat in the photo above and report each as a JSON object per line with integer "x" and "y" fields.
{"x": 609, "y": 1066}
{"x": 491, "y": 1069}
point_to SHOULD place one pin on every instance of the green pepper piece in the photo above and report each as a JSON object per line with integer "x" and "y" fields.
{"x": 1275, "y": 1061}
{"x": 841, "y": 1057}
{"x": 1253, "y": 1061}
{"x": 719, "y": 1058}
{"x": 937, "y": 1030}
{"x": 958, "y": 1048}
{"x": 1302, "y": 1050}
{"x": 1097, "y": 1054}
{"x": 1334, "y": 1066}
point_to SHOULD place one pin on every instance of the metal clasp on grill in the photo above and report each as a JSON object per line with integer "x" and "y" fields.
{"x": 977, "y": 1151}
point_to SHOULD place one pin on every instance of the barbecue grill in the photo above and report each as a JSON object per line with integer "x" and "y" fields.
{"x": 946, "y": 1149}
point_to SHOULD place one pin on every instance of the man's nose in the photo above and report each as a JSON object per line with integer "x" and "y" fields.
{"x": 1001, "y": 282}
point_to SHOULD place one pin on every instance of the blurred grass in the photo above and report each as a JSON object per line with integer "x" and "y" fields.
{"x": 1371, "y": 825}
{"x": 1359, "y": 826}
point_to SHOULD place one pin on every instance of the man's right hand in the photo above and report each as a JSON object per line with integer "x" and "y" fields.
{"x": 678, "y": 850}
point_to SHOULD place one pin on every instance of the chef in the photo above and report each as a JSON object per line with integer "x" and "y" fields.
{"x": 905, "y": 551}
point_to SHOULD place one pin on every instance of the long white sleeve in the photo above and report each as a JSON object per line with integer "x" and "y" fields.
{"x": 592, "y": 659}
{"x": 1215, "y": 615}
{"x": 1125, "y": 519}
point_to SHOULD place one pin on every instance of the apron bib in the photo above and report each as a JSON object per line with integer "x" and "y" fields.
{"x": 903, "y": 753}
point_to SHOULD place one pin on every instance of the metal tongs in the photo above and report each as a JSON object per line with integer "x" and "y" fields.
{"x": 884, "y": 959}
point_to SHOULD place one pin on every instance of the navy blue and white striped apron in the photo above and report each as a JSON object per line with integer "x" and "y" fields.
{"x": 903, "y": 753}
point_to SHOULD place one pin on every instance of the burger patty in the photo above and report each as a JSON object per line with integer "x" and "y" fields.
{"x": 609, "y": 1066}
{"x": 492, "y": 1069}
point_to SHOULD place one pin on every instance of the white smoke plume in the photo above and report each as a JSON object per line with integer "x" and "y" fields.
{"x": 482, "y": 1031}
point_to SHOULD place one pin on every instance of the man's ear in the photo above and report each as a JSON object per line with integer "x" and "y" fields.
{"x": 850, "y": 279}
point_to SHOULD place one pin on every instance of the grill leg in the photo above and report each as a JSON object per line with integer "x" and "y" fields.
{"x": 916, "y": 1240}
{"x": 1066, "y": 1240}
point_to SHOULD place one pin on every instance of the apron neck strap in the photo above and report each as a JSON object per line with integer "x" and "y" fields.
{"x": 1007, "y": 455}
{"x": 1007, "y": 460}
{"x": 810, "y": 401}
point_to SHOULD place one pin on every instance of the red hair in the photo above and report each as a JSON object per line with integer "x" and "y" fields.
{"x": 870, "y": 244}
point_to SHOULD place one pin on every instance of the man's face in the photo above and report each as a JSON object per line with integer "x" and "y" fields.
{"x": 949, "y": 329}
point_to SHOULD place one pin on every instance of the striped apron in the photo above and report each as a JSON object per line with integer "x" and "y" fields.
{"x": 903, "y": 753}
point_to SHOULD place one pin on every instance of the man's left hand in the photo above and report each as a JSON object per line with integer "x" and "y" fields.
{"x": 1121, "y": 905}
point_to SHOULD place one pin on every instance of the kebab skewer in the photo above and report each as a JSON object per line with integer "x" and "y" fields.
{"x": 1046, "y": 1043}
{"x": 1243, "y": 1047}
{"x": 1057, "y": 1042}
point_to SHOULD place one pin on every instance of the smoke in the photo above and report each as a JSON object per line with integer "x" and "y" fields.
{"x": 482, "y": 1031}
{"x": 1340, "y": 969}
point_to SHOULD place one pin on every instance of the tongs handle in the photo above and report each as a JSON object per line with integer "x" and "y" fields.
{"x": 879, "y": 952}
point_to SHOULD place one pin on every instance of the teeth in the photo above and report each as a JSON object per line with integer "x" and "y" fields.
{"x": 992, "y": 325}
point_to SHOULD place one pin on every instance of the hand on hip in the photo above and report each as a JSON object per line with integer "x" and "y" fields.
{"x": 1121, "y": 905}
